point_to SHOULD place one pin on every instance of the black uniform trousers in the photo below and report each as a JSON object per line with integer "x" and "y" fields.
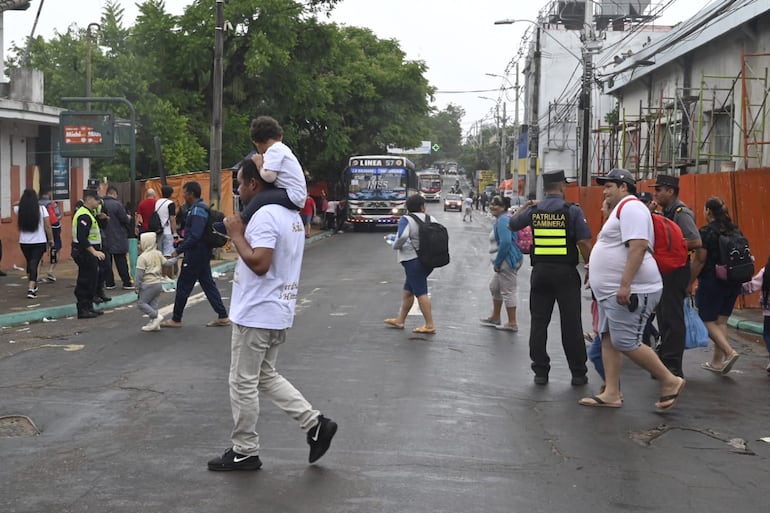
{"x": 88, "y": 272}
{"x": 556, "y": 283}
{"x": 670, "y": 314}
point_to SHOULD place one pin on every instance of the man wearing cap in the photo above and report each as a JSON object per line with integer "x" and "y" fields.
{"x": 677, "y": 283}
{"x": 627, "y": 286}
{"x": 86, "y": 252}
{"x": 559, "y": 230}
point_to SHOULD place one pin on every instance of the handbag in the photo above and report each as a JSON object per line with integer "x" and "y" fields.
{"x": 696, "y": 333}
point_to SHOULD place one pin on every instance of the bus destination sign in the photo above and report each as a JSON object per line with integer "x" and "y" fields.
{"x": 377, "y": 162}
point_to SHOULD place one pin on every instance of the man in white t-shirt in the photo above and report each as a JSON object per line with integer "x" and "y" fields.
{"x": 627, "y": 286}
{"x": 468, "y": 208}
{"x": 262, "y": 305}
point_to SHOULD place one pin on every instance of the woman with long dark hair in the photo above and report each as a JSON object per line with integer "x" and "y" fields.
{"x": 34, "y": 235}
{"x": 761, "y": 283}
{"x": 715, "y": 298}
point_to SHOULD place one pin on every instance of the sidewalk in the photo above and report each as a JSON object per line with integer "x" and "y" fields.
{"x": 57, "y": 300}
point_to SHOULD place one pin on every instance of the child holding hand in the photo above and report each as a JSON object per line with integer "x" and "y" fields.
{"x": 149, "y": 278}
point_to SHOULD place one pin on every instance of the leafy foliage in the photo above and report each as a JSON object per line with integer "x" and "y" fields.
{"x": 336, "y": 90}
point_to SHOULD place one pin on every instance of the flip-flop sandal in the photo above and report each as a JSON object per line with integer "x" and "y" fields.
{"x": 728, "y": 366}
{"x": 596, "y": 402}
{"x": 505, "y": 327}
{"x": 707, "y": 366}
{"x": 394, "y": 324}
{"x": 424, "y": 330}
{"x": 673, "y": 398}
{"x": 489, "y": 322}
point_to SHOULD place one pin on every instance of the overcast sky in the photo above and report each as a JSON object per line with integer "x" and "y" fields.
{"x": 457, "y": 39}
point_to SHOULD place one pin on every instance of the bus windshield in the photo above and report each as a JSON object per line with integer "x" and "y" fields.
{"x": 429, "y": 183}
{"x": 377, "y": 183}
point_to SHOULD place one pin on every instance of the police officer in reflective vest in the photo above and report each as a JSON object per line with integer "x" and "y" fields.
{"x": 86, "y": 252}
{"x": 559, "y": 229}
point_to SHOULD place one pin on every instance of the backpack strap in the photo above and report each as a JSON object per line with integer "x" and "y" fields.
{"x": 620, "y": 206}
{"x": 420, "y": 222}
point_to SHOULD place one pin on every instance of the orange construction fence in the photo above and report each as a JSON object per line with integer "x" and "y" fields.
{"x": 744, "y": 193}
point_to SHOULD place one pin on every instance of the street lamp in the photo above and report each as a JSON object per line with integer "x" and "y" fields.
{"x": 516, "y": 108}
{"x": 533, "y": 131}
{"x": 589, "y": 46}
{"x": 501, "y": 135}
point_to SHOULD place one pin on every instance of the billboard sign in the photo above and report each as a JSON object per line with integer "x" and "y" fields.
{"x": 87, "y": 134}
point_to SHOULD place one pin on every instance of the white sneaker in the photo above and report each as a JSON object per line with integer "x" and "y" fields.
{"x": 148, "y": 327}
{"x": 156, "y": 322}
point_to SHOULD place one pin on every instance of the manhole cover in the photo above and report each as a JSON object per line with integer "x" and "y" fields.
{"x": 17, "y": 425}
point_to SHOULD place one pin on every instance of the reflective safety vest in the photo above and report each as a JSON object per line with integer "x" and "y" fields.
{"x": 551, "y": 237}
{"x": 94, "y": 236}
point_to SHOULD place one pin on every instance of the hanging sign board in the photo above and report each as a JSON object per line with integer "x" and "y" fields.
{"x": 87, "y": 134}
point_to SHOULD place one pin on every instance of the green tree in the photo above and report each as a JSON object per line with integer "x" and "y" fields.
{"x": 337, "y": 91}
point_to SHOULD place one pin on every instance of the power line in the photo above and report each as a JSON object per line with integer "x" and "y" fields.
{"x": 474, "y": 91}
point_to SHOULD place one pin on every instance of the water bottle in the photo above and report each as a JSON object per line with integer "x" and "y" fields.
{"x": 390, "y": 239}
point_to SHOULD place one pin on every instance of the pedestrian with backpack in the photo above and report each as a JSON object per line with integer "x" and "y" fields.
{"x": 506, "y": 260}
{"x": 54, "y": 217}
{"x": 407, "y": 244}
{"x": 627, "y": 285}
{"x": 716, "y": 295}
{"x": 676, "y": 284}
{"x": 196, "y": 265}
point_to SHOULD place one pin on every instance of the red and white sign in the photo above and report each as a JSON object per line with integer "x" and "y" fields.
{"x": 81, "y": 135}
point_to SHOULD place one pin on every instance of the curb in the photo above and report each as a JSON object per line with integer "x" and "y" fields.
{"x": 70, "y": 310}
{"x": 744, "y": 325}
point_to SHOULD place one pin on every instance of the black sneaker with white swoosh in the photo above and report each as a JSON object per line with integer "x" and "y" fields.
{"x": 231, "y": 460}
{"x": 319, "y": 438}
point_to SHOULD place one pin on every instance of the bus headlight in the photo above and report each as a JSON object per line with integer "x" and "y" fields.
{"x": 394, "y": 210}
{"x": 359, "y": 211}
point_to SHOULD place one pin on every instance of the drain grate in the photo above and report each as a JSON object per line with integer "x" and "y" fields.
{"x": 17, "y": 425}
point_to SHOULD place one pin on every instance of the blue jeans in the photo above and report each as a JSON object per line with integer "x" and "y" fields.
{"x": 197, "y": 267}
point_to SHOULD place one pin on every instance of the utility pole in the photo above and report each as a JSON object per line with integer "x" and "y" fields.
{"x": 215, "y": 154}
{"x": 501, "y": 173}
{"x": 585, "y": 95}
{"x": 518, "y": 128}
{"x": 534, "y": 114}
{"x": 89, "y": 64}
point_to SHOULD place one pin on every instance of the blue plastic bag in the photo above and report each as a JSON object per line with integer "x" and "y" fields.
{"x": 697, "y": 335}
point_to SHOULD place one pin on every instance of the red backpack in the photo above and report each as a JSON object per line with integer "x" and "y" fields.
{"x": 670, "y": 249}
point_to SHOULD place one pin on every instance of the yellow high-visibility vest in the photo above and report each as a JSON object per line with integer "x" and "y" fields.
{"x": 94, "y": 235}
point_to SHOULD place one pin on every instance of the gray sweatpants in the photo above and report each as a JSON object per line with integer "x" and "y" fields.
{"x": 252, "y": 371}
{"x": 148, "y": 299}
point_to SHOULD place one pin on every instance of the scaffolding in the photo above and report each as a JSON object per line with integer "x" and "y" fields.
{"x": 754, "y": 115}
{"x": 719, "y": 125}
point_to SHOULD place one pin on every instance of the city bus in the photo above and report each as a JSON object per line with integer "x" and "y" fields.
{"x": 376, "y": 189}
{"x": 429, "y": 184}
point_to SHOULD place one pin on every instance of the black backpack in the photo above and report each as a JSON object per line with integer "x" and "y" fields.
{"x": 735, "y": 256}
{"x": 155, "y": 224}
{"x": 434, "y": 243}
{"x": 211, "y": 237}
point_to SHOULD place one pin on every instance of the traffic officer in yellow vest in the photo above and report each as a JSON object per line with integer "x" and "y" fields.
{"x": 559, "y": 230}
{"x": 86, "y": 252}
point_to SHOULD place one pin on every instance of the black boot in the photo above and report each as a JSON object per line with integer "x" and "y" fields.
{"x": 84, "y": 312}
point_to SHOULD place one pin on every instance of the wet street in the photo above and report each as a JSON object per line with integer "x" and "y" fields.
{"x": 450, "y": 422}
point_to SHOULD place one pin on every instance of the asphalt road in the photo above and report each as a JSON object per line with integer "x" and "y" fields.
{"x": 444, "y": 423}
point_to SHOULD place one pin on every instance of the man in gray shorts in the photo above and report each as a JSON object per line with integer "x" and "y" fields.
{"x": 627, "y": 286}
